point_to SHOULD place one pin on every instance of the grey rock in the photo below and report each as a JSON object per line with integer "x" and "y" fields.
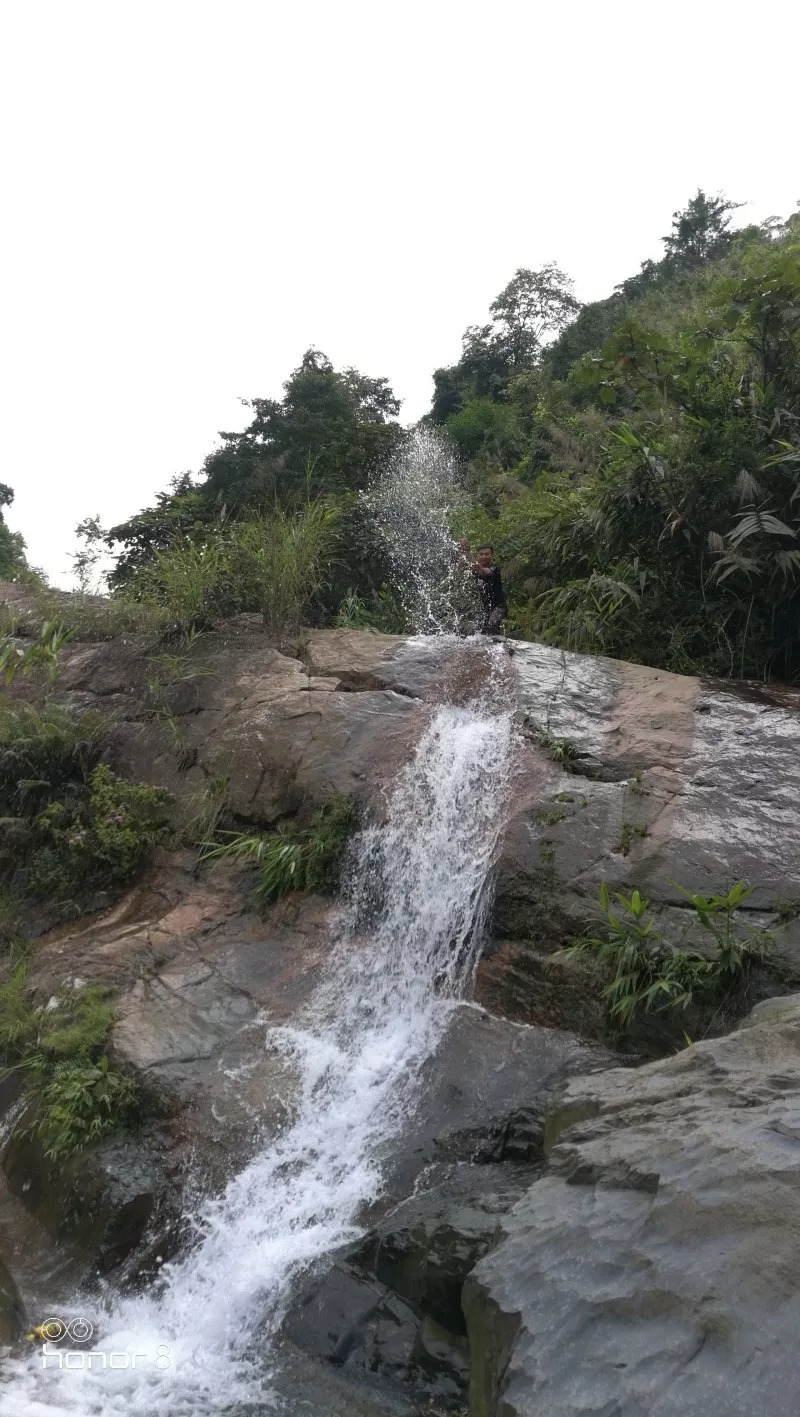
{"x": 13, "y": 1320}
{"x": 653, "y": 1269}
{"x": 392, "y": 1303}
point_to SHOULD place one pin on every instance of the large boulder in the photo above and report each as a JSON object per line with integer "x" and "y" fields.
{"x": 645, "y": 780}
{"x": 391, "y": 1303}
{"x": 652, "y": 1270}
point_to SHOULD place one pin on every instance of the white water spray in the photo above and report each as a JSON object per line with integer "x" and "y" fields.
{"x": 412, "y": 501}
{"x": 405, "y": 951}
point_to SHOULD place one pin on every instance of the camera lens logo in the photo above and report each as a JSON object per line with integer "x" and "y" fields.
{"x": 80, "y": 1330}
{"x": 56, "y": 1330}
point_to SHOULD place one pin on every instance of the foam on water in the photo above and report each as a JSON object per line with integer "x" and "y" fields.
{"x": 405, "y": 950}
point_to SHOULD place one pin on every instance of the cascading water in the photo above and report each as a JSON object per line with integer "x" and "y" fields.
{"x": 411, "y": 502}
{"x": 404, "y": 953}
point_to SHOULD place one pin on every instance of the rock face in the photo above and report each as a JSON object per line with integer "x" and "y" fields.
{"x": 653, "y": 1269}
{"x": 12, "y": 1315}
{"x": 391, "y": 1305}
{"x": 645, "y": 1265}
{"x": 667, "y": 781}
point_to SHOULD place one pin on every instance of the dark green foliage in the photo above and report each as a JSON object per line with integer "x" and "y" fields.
{"x": 44, "y": 752}
{"x": 41, "y": 654}
{"x": 13, "y": 565}
{"x": 645, "y": 971}
{"x": 382, "y": 612}
{"x": 71, "y": 827}
{"x": 276, "y": 565}
{"x": 75, "y": 1097}
{"x": 656, "y": 514}
{"x": 630, "y": 832}
{"x": 330, "y": 430}
{"x": 98, "y": 840}
{"x": 532, "y": 307}
{"x": 295, "y": 858}
{"x": 561, "y": 750}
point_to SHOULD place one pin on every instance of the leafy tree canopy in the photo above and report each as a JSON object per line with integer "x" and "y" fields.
{"x": 533, "y": 306}
{"x": 13, "y": 564}
{"x": 324, "y": 437}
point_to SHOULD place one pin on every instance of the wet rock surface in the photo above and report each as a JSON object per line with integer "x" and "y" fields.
{"x": 391, "y": 1305}
{"x": 653, "y": 1268}
{"x": 663, "y": 781}
{"x": 13, "y": 1320}
{"x": 646, "y": 1266}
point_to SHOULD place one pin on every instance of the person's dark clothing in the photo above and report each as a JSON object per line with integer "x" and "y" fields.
{"x": 493, "y": 600}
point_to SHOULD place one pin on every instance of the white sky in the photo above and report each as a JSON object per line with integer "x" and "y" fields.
{"x": 194, "y": 193}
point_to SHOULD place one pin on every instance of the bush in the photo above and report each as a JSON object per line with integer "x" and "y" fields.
{"x": 280, "y": 563}
{"x": 644, "y": 971}
{"x": 75, "y": 1097}
{"x": 294, "y": 858}
{"x": 275, "y": 564}
{"x": 98, "y": 617}
{"x": 44, "y": 751}
{"x": 185, "y": 584}
{"x": 70, "y": 826}
{"x": 382, "y": 612}
{"x": 41, "y": 653}
{"x": 97, "y": 841}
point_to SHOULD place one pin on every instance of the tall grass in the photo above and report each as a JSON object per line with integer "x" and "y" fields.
{"x": 275, "y": 564}
{"x": 283, "y": 560}
{"x": 185, "y": 582}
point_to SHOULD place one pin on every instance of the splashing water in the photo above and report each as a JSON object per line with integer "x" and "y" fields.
{"x": 404, "y": 952}
{"x": 411, "y": 503}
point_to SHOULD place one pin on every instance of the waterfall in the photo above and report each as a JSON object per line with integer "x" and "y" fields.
{"x": 403, "y": 952}
{"x": 411, "y": 502}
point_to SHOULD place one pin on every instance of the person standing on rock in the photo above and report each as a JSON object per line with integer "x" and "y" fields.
{"x": 490, "y": 586}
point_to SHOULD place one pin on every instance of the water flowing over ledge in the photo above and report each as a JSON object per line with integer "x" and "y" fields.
{"x": 405, "y": 950}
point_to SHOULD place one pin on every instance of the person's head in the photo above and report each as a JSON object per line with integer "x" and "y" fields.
{"x": 484, "y": 556}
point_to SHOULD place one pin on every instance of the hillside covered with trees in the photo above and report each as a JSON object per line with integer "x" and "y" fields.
{"x": 635, "y": 462}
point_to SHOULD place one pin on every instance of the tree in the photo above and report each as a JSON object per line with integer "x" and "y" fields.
{"x": 13, "y": 565}
{"x": 324, "y": 437}
{"x": 701, "y": 231}
{"x": 330, "y": 429}
{"x": 532, "y": 306}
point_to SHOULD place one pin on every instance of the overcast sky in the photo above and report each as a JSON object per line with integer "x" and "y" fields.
{"x": 195, "y": 192}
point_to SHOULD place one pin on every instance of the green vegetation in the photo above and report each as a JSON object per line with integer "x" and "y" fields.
{"x": 291, "y": 478}
{"x": 644, "y": 971}
{"x": 638, "y": 476}
{"x": 561, "y": 750}
{"x": 13, "y": 565}
{"x": 630, "y": 832}
{"x": 295, "y": 858}
{"x": 634, "y": 462}
{"x": 75, "y": 1097}
{"x": 71, "y": 827}
{"x": 274, "y": 564}
{"x": 40, "y": 653}
{"x": 93, "y": 617}
{"x": 383, "y": 612}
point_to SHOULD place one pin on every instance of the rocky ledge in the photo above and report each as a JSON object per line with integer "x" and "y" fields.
{"x": 579, "y": 1236}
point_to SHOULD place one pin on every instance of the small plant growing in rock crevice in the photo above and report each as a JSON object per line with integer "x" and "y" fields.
{"x": 630, "y": 832}
{"x": 561, "y": 750}
{"x": 294, "y": 858}
{"x": 645, "y": 971}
